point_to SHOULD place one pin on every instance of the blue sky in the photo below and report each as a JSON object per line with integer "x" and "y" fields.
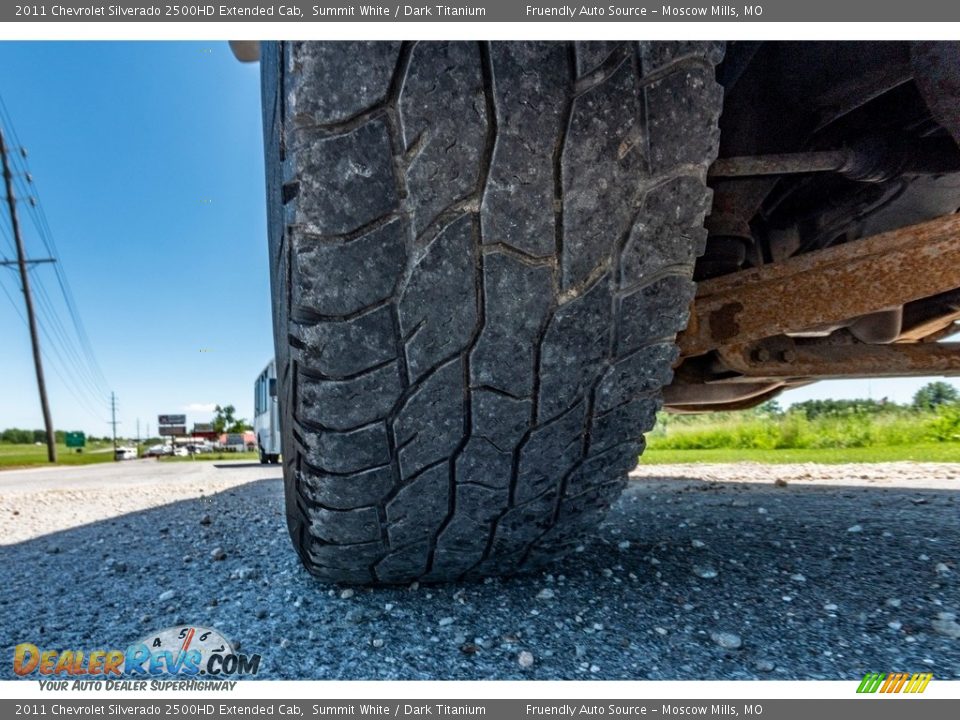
{"x": 148, "y": 161}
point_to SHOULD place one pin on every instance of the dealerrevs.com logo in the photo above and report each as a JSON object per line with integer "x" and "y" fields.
{"x": 186, "y": 651}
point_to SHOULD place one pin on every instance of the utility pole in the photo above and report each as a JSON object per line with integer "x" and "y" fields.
{"x": 31, "y": 319}
{"x": 113, "y": 422}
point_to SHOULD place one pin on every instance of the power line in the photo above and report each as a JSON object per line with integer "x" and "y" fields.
{"x": 82, "y": 393}
{"x": 56, "y": 371}
{"x": 50, "y": 318}
{"x": 31, "y": 320}
{"x": 37, "y": 213}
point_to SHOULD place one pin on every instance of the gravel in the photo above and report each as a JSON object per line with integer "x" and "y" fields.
{"x": 628, "y": 605}
{"x": 727, "y": 640}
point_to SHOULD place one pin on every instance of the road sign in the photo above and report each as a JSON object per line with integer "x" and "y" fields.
{"x": 173, "y": 430}
{"x": 202, "y": 428}
{"x": 172, "y": 419}
{"x": 75, "y": 439}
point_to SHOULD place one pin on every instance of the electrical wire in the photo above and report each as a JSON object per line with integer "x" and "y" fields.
{"x": 83, "y": 358}
{"x": 82, "y": 403}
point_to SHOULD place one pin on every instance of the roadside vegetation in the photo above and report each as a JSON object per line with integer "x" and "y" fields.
{"x": 828, "y": 431}
{"x": 14, "y": 455}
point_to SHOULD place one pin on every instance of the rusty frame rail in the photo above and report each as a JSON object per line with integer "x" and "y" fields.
{"x": 784, "y": 358}
{"x": 826, "y": 286}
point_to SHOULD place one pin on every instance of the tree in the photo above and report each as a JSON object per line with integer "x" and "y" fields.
{"x": 225, "y": 420}
{"x": 17, "y": 436}
{"x": 813, "y": 409}
{"x": 934, "y": 394}
{"x": 770, "y": 408}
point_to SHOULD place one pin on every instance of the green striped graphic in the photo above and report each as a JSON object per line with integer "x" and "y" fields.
{"x": 871, "y": 682}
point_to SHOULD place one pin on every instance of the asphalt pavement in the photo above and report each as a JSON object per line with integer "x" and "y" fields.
{"x": 700, "y": 572}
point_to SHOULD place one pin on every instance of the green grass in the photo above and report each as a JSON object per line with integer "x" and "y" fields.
{"x": 19, "y": 456}
{"x": 23, "y": 456}
{"x": 922, "y": 452}
{"x": 248, "y": 456}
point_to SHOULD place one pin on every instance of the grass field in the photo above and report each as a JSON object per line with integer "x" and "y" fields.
{"x": 12, "y": 456}
{"x": 859, "y": 431}
{"x": 21, "y": 456}
{"x": 924, "y": 452}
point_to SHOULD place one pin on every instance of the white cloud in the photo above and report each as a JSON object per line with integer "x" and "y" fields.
{"x": 200, "y": 407}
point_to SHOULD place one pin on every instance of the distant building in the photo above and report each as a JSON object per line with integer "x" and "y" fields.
{"x": 238, "y": 441}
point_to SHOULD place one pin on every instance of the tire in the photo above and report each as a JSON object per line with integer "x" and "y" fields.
{"x": 262, "y": 455}
{"x": 480, "y": 257}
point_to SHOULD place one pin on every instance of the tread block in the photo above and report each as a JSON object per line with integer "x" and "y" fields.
{"x": 623, "y": 424}
{"x": 657, "y": 55}
{"x": 335, "y": 81}
{"x": 343, "y": 278}
{"x": 516, "y": 302}
{"x": 461, "y": 544}
{"x": 603, "y": 155}
{"x": 682, "y": 117}
{"x": 591, "y": 54}
{"x": 438, "y": 307}
{"x": 482, "y": 463}
{"x": 346, "y": 404}
{"x": 346, "y": 181}
{"x": 575, "y": 348}
{"x": 499, "y": 419}
{"x": 653, "y": 312}
{"x": 577, "y": 516}
{"x": 549, "y": 453}
{"x": 518, "y": 203}
{"x": 476, "y": 507}
{"x": 520, "y": 526}
{"x": 430, "y": 425}
{"x": 344, "y": 492}
{"x": 448, "y": 564}
{"x": 597, "y": 497}
{"x": 344, "y": 527}
{"x": 669, "y": 230}
{"x": 604, "y": 468}
{"x": 499, "y": 564}
{"x": 442, "y": 108}
{"x": 348, "y": 452}
{"x": 419, "y": 508}
{"x": 345, "y": 557}
{"x": 641, "y": 373}
{"x": 405, "y": 564}
{"x": 338, "y": 349}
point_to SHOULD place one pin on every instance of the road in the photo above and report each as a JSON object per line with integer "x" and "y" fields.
{"x": 722, "y": 572}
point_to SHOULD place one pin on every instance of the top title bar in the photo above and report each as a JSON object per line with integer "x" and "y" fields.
{"x": 898, "y": 11}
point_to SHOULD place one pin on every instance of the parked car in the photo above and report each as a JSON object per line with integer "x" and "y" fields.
{"x": 125, "y": 453}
